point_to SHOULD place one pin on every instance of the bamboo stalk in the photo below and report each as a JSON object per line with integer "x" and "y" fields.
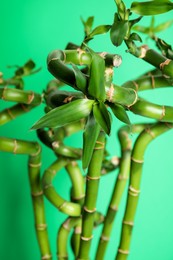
{"x": 89, "y": 208}
{"x": 151, "y": 110}
{"x": 152, "y": 57}
{"x": 134, "y": 185}
{"x": 63, "y": 234}
{"x": 149, "y": 82}
{"x": 11, "y": 113}
{"x": 119, "y": 188}
{"x": 32, "y": 149}
{"x": 70, "y": 208}
{"x": 20, "y": 96}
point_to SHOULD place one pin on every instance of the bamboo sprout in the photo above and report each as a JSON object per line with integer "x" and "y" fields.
{"x": 137, "y": 161}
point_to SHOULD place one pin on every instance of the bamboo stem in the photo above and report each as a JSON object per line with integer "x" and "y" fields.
{"x": 119, "y": 188}
{"x": 20, "y": 96}
{"x": 134, "y": 186}
{"x": 89, "y": 208}
{"x": 70, "y": 208}
{"x": 32, "y": 149}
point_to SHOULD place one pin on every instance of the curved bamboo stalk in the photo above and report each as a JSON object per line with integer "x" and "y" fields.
{"x": 151, "y": 110}
{"x": 137, "y": 160}
{"x": 32, "y": 149}
{"x": 89, "y": 208}
{"x": 70, "y": 208}
{"x": 119, "y": 188}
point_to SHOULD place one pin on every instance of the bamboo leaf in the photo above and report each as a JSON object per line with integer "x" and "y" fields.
{"x": 151, "y": 7}
{"x": 102, "y": 116}
{"x": 65, "y": 114}
{"x": 90, "y": 135}
{"x": 100, "y": 30}
{"x": 96, "y": 86}
{"x": 118, "y": 32}
{"x": 163, "y": 26}
{"x": 80, "y": 79}
{"x": 88, "y": 24}
{"x": 120, "y": 112}
{"x": 135, "y": 37}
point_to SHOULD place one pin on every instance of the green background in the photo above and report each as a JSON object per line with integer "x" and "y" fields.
{"x": 31, "y": 29}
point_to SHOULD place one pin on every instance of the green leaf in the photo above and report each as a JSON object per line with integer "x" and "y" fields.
{"x": 135, "y": 37}
{"x": 100, "y": 30}
{"x": 90, "y": 135}
{"x": 163, "y": 26}
{"x": 65, "y": 114}
{"x": 151, "y": 7}
{"x": 96, "y": 87}
{"x": 80, "y": 79}
{"x": 118, "y": 32}
{"x": 120, "y": 112}
{"x": 88, "y": 24}
{"x": 102, "y": 116}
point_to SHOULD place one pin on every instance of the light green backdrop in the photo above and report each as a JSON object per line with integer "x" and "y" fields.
{"x": 31, "y": 29}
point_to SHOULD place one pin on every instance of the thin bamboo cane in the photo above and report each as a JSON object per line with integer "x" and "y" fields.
{"x": 11, "y": 113}
{"x": 32, "y": 149}
{"x": 137, "y": 160}
{"x": 119, "y": 188}
{"x": 89, "y": 208}
{"x": 70, "y": 208}
{"x": 63, "y": 234}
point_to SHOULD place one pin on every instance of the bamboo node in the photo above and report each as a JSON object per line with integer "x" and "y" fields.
{"x": 30, "y": 98}
{"x": 37, "y": 194}
{"x": 89, "y": 210}
{"x": 110, "y": 92}
{"x": 124, "y": 252}
{"x": 149, "y": 131}
{"x": 3, "y": 93}
{"x": 87, "y": 238}
{"x": 163, "y": 113}
{"x": 135, "y": 85}
{"x": 109, "y": 71}
{"x": 121, "y": 177}
{"x": 104, "y": 238}
{"x": 144, "y": 49}
{"x": 115, "y": 160}
{"x": 80, "y": 52}
{"x": 15, "y": 146}
{"x": 66, "y": 224}
{"x": 103, "y": 54}
{"x": 79, "y": 198}
{"x": 46, "y": 257}
{"x": 47, "y": 186}
{"x": 137, "y": 160}
{"x": 41, "y": 227}
{"x": 134, "y": 190}
{"x": 165, "y": 63}
{"x": 10, "y": 113}
{"x": 34, "y": 165}
{"x": 55, "y": 144}
{"x": 114, "y": 207}
{"x": 92, "y": 178}
{"x": 24, "y": 108}
{"x": 169, "y": 125}
{"x": 130, "y": 223}
{"x": 38, "y": 151}
{"x": 62, "y": 205}
{"x": 78, "y": 230}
